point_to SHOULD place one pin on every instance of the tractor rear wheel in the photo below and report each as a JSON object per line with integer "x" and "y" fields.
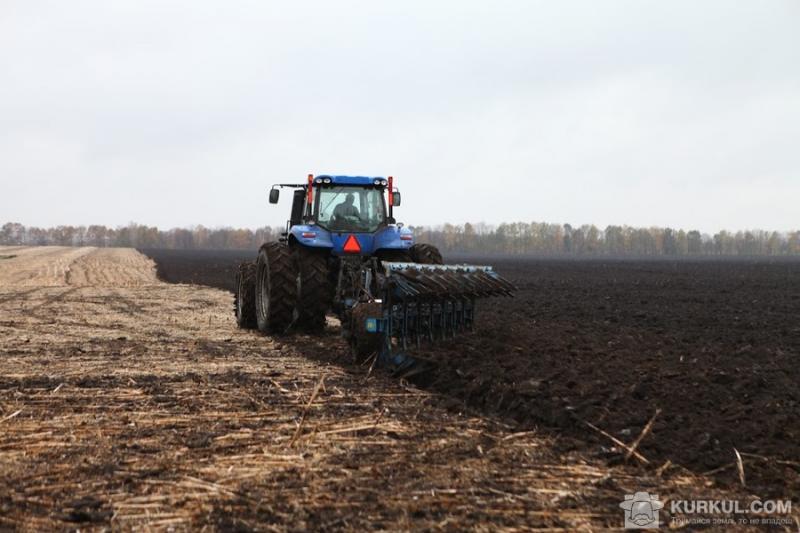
{"x": 426, "y": 254}
{"x": 244, "y": 301}
{"x": 276, "y": 288}
{"x": 316, "y": 289}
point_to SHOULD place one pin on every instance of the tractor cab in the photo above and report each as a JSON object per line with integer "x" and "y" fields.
{"x": 351, "y": 208}
{"x": 328, "y": 210}
{"x": 350, "y": 203}
{"x": 342, "y": 203}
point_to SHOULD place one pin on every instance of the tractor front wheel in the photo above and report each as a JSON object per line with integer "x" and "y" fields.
{"x": 276, "y": 288}
{"x": 426, "y": 254}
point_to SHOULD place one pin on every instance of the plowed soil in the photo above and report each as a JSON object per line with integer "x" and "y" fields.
{"x": 127, "y": 403}
{"x": 713, "y": 346}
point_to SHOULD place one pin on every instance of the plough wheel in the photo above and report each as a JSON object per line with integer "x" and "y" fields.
{"x": 363, "y": 343}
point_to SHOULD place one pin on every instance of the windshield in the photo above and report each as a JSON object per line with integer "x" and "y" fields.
{"x": 350, "y": 208}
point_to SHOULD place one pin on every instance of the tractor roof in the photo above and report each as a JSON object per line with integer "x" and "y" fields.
{"x": 351, "y": 180}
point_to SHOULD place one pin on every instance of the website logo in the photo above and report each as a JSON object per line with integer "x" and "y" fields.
{"x": 641, "y": 510}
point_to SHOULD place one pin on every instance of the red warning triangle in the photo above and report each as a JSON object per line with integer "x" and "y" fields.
{"x": 351, "y": 245}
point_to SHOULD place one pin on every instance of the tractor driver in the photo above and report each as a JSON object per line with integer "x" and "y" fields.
{"x": 346, "y": 208}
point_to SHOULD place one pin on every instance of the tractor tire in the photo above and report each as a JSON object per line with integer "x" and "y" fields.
{"x": 316, "y": 289}
{"x": 244, "y": 301}
{"x": 276, "y": 289}
{"x": 426, "y": 254}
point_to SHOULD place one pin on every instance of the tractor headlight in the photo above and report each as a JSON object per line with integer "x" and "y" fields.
{"x": 327, "y": 180}
{"x": 318, "y": 180}
{"x": 376, "y": 182}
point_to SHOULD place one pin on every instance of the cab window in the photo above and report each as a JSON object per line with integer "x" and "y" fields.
{"x": 350, "y": 208}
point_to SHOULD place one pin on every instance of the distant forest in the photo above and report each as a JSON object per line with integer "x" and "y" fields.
{"x": 511, "y": 238}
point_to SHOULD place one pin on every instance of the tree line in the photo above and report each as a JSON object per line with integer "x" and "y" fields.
{"x": 508, "y": 238}
{"x": 138, "y": 236}
{"x": 545, "y": 238}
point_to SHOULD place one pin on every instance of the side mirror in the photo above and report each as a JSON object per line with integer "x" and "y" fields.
{"x": 274, "y": 194}
{"x": 396, "y": 199}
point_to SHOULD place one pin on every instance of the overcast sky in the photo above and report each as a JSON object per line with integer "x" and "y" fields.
{"x": 669, "y": 113}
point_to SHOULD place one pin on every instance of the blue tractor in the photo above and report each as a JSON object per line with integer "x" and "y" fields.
{"x": 344, "y": 252}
